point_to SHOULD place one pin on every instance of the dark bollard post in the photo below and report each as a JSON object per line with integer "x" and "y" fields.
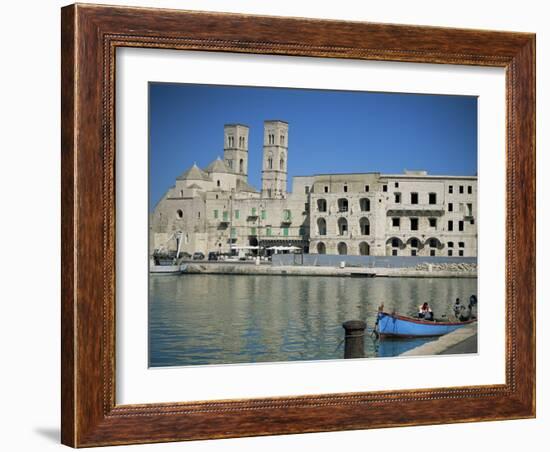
{"x": 354, "y": 339}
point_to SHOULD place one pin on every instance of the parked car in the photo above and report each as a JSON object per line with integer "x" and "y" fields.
{"x": 198, "y": 256}
{"x": 212, "y": 256}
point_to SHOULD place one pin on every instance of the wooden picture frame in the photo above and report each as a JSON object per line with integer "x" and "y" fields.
{"x": 90, "y": 36}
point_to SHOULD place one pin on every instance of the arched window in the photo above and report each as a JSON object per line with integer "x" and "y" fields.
{"x": 364, "y": 249}
{"x": 322, "y": 205}
{"x": 342, "y": 248}
{"x": 270, "y": 161}
{"x": 364, "y": 226}
{"x": 321, "y": 248}
{"x": 364, "y": 204}
{"x": 179, "y": 213}
{"x": 241, "y": 166}
{"x": 342, "y": 205}
{"x": 321, "y": 226}
{"x": 282, "y": 140}
{"x": 218, "y": 183}
{"x": 342, "y": 226}
{"x": 282, "y": 164}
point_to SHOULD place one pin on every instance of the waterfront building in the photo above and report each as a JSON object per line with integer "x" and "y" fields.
{"x": 409, "y": 214}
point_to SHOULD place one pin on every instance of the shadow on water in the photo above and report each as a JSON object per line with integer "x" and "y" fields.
{"x": 220, "y": 319}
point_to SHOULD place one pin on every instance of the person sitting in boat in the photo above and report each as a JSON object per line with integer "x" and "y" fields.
{"x": 470, "y": 313}
{"x": 425, "y": 312}
{"x": 458, "y": 308}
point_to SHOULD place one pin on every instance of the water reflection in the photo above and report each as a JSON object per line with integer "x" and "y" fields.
{"x": 216, "y": 319}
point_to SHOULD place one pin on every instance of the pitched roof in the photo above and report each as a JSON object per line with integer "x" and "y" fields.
{"x": 194, "y": 173}
{"x": 218, "y": 166}
{"x": 243, "y": 186}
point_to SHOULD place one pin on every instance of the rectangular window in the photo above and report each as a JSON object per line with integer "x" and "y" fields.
{"x": 233, "y": 233}
{"x": 367, "y": 188}
{"x": 450, "y": 189}
{"x": 414, "y": 224}
{"x": 394, "y": 252}
{"x": 252, "y": 231}
{"x": 237, "y": 214}
{"x": 461, "y": 252}
{"x": 397, "y": 198}
{"x": 264, "y": 215}
{"x": 413, "y": 252}
{"x": 461, "y": 189}
{"x": 225, "y": 215}
{"x": 461, "y": 244}
{"x": 450, "y": 207}
{"x": 268, "y": 231}
{"x": 326, "y": 188}
{"x": 253, "y": 211}
{"x": 450, "y": 226}
{"x": 307, "y": 189}
{"x": 216, "y": 213}
{"x": 461, "y": 225}
{"x": 433, "y": 222}
{"x": 306, "y": 206}
{"x": 432, "y": 198}
{"x": 396, "y": 185}
{"x": 345, "y": 188}
{"x": 395, "y": 222}
{"x": 449, "y": 252}
{"x": 432, "y": 252}
{"x": 302, "y": 230}
{"x": 469, "y": 189}
{"x": 384, "y": 188}
{"x": 472, "y": 221}
{"x": 414, "y": 198}
{"x": 285, "y": 232}
{"x": 286, "y": 215}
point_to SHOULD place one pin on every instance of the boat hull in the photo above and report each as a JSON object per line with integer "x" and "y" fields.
{"x": 393, "y": 325}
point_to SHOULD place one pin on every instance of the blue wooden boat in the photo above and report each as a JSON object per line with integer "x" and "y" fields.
{"x": 395, "y": 325}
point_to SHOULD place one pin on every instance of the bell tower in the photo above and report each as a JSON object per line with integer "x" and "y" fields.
{"x": 235, "y": 149}
{"x": 274, "y": 168}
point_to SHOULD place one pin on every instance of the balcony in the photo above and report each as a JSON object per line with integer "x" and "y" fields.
{"x": 418, "y": 210}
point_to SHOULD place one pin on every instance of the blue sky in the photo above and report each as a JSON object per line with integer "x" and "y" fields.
{"x": 329, "y": 131}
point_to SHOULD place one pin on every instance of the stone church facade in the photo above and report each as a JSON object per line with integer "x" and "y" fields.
{"x": 409, "y": 214}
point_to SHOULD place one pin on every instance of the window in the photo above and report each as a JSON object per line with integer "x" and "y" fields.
{"x": 345, "y": 188}
{"x": 364, "y": 204}
{"x": 450, "y": 225}
{"x": 270, "y": 163}
{"x": 433, "y": 243}
{"x": 326, "y": 188}
{"x": 472, "y": 221}
{"x": 469, "y": 189}
{"x": 397, "y": 197}
{"x": 432, "y": 252}
{"x": 302, "y": 230}
{"x": 449, "y": 252}
{"x": 450, "y": 189}
{"x": 414, "y": 198}
{"x": 461, "y": 189}
{"x": 461, "y": 225}
{"x": 233, "y": 232}
{"x": 306, "y": 207}
{"x": 252, "y": 231}
{"x": 461, "y": 244}
{"x": 470, "y": 207}
{"x": 413, "y": 252}
{"x": 433, "y": 222}
{"x": 461, "y": 252}
{"x": 179, "y": 213}
{"x": 395, "y": 243}
{"x": 321, "y": 205}
{"x": 268, "y": 231}
{"x": 241, "y": 166}
{"x": 414, "y": 243}
{"x": 432, "y": 198}
{"x": 285, "y": 232}
{"x": 342, "y": 226}
{"x": 342, "y": 205}
{"x": 396, "y": 222}
{"x": 306, "y": 189}
{"x": 321, "y": 226}
{"x": 364, "y": 226}
{"x": 450, "y": 244}
{"x": 198, "y": 214}
{"x": 384, "y": 188}
{"x": 394, "y": 252}
{"x": 414, "y": 224}
{"x": 396, "y": 185}
{"x": 264, "y": 214}
{"x": 282, "y": 140}
{"x": 282, "y": 164}
{"x": 218, "y": 183}
{"x": 286, "y": 215}
{"x": 253, "y": 211}
{"x": 216, "y": 213}
{"x": 225, "y": 215}
{"x": 450, "y": 207}
{"x": 367, "y": 188}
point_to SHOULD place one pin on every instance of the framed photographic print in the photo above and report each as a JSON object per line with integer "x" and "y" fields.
{"x": 281, "y": 225}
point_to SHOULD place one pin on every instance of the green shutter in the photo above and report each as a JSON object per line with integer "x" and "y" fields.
{"x": 216, "y": 213}
{"x": 285, "y": 232}
{"x": 237, "y": 214}
{"x": 233, "y": 232}
{"x": 253, "y": 211}
{"x": 264, "y": 215}
{"x": 252, "y": 231}
{"x": 268, "y": 231}
{"x": 225, "y": 215}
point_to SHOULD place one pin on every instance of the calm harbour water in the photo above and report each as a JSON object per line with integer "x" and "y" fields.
{"x": 220, "y": 319}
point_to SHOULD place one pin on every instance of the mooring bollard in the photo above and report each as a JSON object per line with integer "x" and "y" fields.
{"x": 354, "y": 339}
